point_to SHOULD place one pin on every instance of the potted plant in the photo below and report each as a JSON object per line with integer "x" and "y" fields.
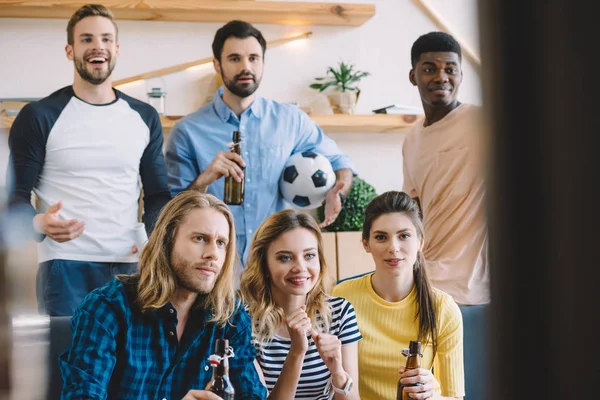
{"x": 349, "y": 258}
{"x": 343, "y": 80}
{"x": 352, "y": 216}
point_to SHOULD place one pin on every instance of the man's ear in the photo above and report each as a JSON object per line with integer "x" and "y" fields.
{"x": 411, "y": 77}
{"x": 69, "y": 52}
{"x": 366, "y": 246}
{"x": 217, "y": 66}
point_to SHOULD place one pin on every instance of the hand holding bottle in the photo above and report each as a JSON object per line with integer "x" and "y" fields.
{"x": 225, "y": 164}
{"x": 419, "y": 383}
{"x": 201, "y": 395}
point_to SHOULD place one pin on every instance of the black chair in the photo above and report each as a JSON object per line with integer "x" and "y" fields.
{"x": 475, "y": 350}
{"x": 60, "y": 339}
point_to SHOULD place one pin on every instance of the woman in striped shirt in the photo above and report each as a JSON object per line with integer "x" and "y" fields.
{"x": 306, "y": 341}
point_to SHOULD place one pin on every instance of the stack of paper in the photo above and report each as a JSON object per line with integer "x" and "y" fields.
{"x": 399, "y": 109}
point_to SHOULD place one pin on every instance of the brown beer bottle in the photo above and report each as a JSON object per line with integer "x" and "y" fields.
{"x": 413, "y": 361}
{"x": 234, "y": 191}
{"x": 220, "y": 383}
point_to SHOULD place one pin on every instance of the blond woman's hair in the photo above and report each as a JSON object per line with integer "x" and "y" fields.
{"x": 157, "y": 282}
{"x": 256, "y": 285}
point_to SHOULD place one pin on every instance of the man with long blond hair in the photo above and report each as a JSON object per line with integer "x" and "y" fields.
{"x": 149, "y": 335}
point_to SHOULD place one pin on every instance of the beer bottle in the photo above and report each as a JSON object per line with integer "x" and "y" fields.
{"x": 234, "y": 191}
{"x": 413, "y": 361}
{"x": 220, "y": 383}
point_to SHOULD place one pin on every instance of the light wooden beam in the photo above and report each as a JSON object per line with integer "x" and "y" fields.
{"x": 205, "y": 60}
{"x": 257, "y": 12}
{"x": 469, "y": 53}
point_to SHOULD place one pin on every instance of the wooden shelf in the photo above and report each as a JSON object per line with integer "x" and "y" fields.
{"x": 336, "y": 123}
{"x": 367, "y": 123}
{"x": 257, "y": 12}
{"x": 341, "y": 123}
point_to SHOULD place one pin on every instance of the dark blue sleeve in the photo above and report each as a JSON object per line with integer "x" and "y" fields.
{"x": 153, "y": 169}
{"x": 242, "y": 371}
{"x": 27, "y": 144}
{"x": 154, "y": 175}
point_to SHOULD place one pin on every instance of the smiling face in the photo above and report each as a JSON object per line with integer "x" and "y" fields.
{"x": 393, "y": 242}
{"x": 241, "y": 66}
{"x": 438, "y": 76}
{"x": 94, "y": 50}
{"x": 200, "y": 250}
{"x": 293, "y": 263}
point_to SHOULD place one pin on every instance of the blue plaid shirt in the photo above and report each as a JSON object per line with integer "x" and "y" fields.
{"x": 271, "y": 133}
{"x": 120, "y": 353}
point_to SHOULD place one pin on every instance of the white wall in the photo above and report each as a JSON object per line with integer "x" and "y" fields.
{"x": 33, "y": 64}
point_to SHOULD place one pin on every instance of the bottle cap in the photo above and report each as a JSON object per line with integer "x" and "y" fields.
{"x": 214, "y": 359}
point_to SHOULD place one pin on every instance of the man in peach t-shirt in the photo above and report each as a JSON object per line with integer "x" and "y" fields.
{"x": 444, "y": 170}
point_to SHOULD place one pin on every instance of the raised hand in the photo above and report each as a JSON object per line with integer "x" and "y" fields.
{"x": 298, "y": 325}
{"x": 333, "y": 204}
{"x": 330, "y": 350}
{"x": 57, "y": 229}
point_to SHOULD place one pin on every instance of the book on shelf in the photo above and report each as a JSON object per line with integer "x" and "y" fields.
{"x": 399, "y": 109}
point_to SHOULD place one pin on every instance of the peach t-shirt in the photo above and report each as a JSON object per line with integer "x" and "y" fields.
{"x": 444, "y": 166}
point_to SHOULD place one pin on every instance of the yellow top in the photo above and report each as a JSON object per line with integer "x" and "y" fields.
{"x": 388, "y": 327}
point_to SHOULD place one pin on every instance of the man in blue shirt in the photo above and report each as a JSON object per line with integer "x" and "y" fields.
{"x": 198, "y": 156}
{"x": 149, "y": 335}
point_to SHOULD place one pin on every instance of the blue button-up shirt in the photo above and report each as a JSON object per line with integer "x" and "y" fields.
{"x": 271, "y": 133}
{"x": 120, "y": 353}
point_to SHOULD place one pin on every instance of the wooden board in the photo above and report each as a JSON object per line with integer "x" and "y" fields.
{"x": 368, "y": 123}
{"x": 351, "y": 256}
{"x": 263, "y": 12}
{"x": 330, "y": 253}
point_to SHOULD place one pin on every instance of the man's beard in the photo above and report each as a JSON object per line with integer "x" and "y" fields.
{"x": 242, "y": 90}
{"x": 190, "y": 279}
{"x": 98, "y": 75}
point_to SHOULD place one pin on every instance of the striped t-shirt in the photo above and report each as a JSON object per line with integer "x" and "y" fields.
{"x": 314, "y": 378}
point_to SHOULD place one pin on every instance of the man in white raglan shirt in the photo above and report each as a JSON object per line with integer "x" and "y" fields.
{"x": 82, "y": 151}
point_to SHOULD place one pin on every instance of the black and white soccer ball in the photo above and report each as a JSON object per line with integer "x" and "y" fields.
{"x": 306, "y": 179}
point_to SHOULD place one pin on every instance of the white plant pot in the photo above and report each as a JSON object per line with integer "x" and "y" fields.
{"x": 343, "y": 102}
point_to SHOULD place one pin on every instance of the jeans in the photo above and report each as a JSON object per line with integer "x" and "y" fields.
{"x": 61, "y": 285}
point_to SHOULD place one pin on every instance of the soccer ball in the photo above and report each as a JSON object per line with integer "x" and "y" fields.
{"x": 306, "y": 179}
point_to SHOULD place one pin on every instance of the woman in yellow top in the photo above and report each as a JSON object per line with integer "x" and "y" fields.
{"x": 397, "y": 304}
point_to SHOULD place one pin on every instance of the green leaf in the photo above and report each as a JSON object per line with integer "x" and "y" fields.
{"x": 316, "y": 86}
{"x": 335, "y": 74}
{"x": 326, "y": 85}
